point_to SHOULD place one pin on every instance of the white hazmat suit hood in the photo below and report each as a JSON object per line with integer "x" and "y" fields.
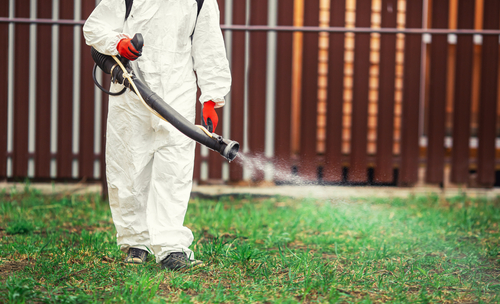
{"x": 149, "y": 163}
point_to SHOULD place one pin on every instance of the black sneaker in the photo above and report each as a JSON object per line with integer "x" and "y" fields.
{"x": 136, "y": 256}
{"x": 178, "y": 261}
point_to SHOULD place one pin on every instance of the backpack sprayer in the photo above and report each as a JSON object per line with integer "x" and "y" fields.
{"x": 122, "y": 73}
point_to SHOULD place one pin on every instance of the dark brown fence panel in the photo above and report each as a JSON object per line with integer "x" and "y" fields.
{"x": 359, "y": 127}
{"x": 214, "y": 159}
{"x": 463, "y": 91}
{"x": 65, "y": 94}
{"x": 385, "y": 116}
{"x": 411, "y": 97}
{"x": 284, "y": 63}
{"x": 332, "y": 171}
{"x": 309, "y": 96}
{"x": 21, "y": 90}
{"x": 437, "y": 94}
{"x": 4, "y": 36}
{"x": 489, "y": 91}
{"x": 257, "y": 83}
{"x": 43, "y": 91}
{"x": 87, "y": 109}
{"x": 238, "y": 85}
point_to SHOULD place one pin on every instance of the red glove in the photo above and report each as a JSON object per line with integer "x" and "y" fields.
{"x": 127, "y": 49}
{"x": 209, "y": 118}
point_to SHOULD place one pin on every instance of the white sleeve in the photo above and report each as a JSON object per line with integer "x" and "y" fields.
{"x": 103, "y": 28}
{"x": 209, "y": 56}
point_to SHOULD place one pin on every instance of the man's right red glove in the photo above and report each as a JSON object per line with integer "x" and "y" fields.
{"x": 127, "y": 49}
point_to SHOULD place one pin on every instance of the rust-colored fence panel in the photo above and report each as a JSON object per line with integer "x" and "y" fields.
{"x": 411, "y": 97}
{"x": 4, "y": 53}
{"x": 489, "y": 96}
{"x": 332, "y": 170}
{"x": 65, "y": 94}
{"x": 21, "y": 90}
{"x": 385, "y": 131}
{"x": 283, "y": 115}
{"x": 238, "y": 85}
{"x": 43, "y": 91}
{"x": 257, "y": 83}
{"x": 309, "y": 101}
{"x": 463, "y": 94}
{"x": 437, "y": 91}
{"x": 359, "y": 127}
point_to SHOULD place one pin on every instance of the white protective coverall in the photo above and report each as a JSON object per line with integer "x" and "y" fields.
{"x": 149, "y": 162}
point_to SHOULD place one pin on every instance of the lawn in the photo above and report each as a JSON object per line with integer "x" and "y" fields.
{"x": 62, "y": 249}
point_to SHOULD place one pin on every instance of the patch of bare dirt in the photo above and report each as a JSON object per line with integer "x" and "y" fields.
{"x": 9, "y": 267}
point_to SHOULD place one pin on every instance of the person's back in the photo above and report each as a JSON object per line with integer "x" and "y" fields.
{"x": 149, "y": 162}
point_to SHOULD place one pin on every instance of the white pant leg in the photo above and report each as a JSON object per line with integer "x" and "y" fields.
{"x": 129, "y": 163}
{"x": 169, "y": 195}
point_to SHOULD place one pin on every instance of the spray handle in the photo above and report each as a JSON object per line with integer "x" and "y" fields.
{"x": 138, "y": 42}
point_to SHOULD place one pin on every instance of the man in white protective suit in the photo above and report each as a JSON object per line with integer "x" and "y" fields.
{"x": 149, "y": 163}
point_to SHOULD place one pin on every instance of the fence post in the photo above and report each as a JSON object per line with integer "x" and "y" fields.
{"x": 4, "y": 53}
{"x": 257, "y": 83}
{"x": 488, "y": 101}
{"x": 43, "y": 92}
{"x": 358, "y": 167}
{"x": 87, "y": 109}
{"x": 309, "y": 96}
{"x": 385, "y": 116}
{"x": 284, "y": 64}
{"x": 332, "y": 171}
{"x": 21, "y": 90}
{"x": 238, "y": 85}
{"x": 65, "y": 94}
{"x": 411, "y": 97}
{"x": 463, "y": 91}
{"x": 437, "y": 94}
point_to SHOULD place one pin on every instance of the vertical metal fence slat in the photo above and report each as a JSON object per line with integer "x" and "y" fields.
{"x": 238, "y": 85}
{"x": 284, "y": 63}
{"x": 332, "y": 170}
{"x": 86, "y": 156}
{"x": 385, "y": 116}
{"x": 65, "y": 94}
{"x": 463, "y": 91}
{"x": 359, "y": 127}
{"x": 214, "y": 159}
{"x": 21, "y": 90}
{"x": 437, "y": 94}
{"x": 257, "y": 83}
{"x": 489, "y": 91}
{"x": 4, "y": 36}
{"x": 309, "y": 96}
{"x": 411, "y": 97}
{"x": 43, "y": 91}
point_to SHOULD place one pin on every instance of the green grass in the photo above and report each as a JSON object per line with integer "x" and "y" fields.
{"x": 420, "y": 249}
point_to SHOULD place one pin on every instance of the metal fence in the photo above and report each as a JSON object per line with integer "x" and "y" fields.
{"x": 374, "y": 103}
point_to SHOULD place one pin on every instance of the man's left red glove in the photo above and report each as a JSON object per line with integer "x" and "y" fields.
{"x": 127, "y": 49}
{"x": 209, "y": 118}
